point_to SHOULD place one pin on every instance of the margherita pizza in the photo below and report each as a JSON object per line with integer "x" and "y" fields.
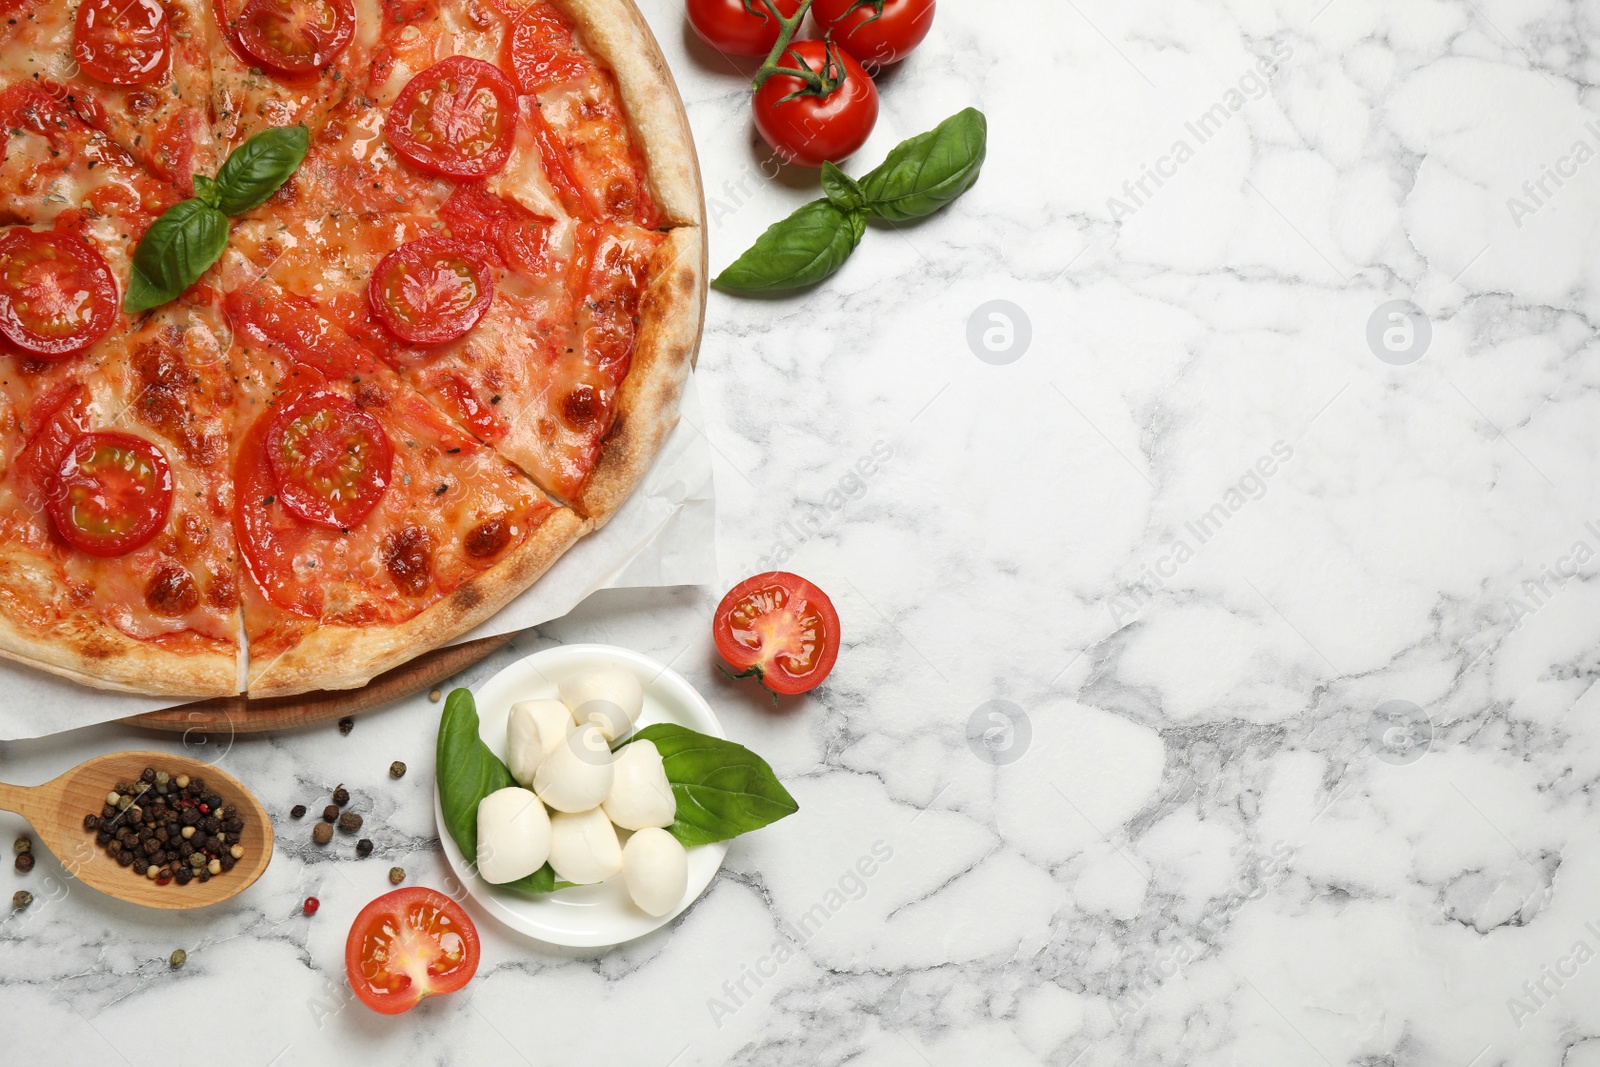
{"x": 446, "y": 348}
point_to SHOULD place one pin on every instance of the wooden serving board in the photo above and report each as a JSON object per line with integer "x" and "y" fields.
{"x": 241, "y": 715}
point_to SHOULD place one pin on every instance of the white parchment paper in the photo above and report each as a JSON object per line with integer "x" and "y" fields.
{"x": 662, "y": 536}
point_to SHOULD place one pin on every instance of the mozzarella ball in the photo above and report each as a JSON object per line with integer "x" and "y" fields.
{"x": 533, "y": 731}
{"x": 583, "y": 846}
{"x": 577, "y": 775}
{"x": 640, "y": 794}
{"x": 609, "y": 697}
{"x": 655, "y": 868}
{"x": 513, "y": 835}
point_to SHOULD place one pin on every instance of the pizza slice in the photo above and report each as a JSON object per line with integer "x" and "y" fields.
{"x": 117, "y": 560}
{"x": 370, "y": 526}
{"x": 135, "y": 70}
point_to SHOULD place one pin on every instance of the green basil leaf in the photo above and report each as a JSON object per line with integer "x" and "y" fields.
{"x": 173, "y": 253}
{"x": 722, "y": 789}
{"x": 467, "y": 771}
{"x": 930, "y": 170}
{"x": 207, "y": 190}
{"x": 256, "y": 169}
{"x": 801, "y": 250}
{"x": 842, "y": 189}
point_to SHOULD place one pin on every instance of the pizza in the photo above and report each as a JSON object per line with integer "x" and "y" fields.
{"x": 445, "y": 349}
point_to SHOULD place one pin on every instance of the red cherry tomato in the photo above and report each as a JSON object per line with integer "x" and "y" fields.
{"x": 779, "y": 628}
{"x": 57, "y": 296}
{"x": 122, "y": 42}
{"x": 296, "y": 36}
{"x": 457, "y": 118}
{"x": 730, "y": 28}
{"x": 875, "y": 38}
{"x": 408, "y": 945}
{"x": 810, "y": 129}
{"x": 112, "y": 493}
{"x": 432, "y": 290}
{"x": 331, "y": 460}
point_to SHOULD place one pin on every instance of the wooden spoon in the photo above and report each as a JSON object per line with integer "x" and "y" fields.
{"x": 56, "y": 810}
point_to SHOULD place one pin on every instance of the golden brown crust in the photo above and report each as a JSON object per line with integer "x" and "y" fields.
{"x": 670, "y": 315}
{"x": 344, "y": 657}
{"x": 616, "y": 32}
{"x": 105, "y": 658}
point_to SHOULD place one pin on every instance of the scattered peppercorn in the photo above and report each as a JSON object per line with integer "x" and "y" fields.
{"x": 311, "y": 905}
{"x": 21, "y": 899}
{"x": 22, "y": 844}
{"x": 397, "y": 769}
{"x": 330, "y": 813}
{"x": 341, "y": 795}
{"x": 346, "y": 724}
{"x": 322, "y": 833}
{"x": 397, "y": 875}
{"x": 177, "y": 959}
{"x": 364, "y": 847}
{"x": 24, "y": 862}
{"x": 298, "y": 811}
{"x": 434, "y": 695}
{"x": 349, "y": 822}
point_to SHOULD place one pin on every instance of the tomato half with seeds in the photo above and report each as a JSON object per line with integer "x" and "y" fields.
{"x": 876, "y": 32}
{"x": 808, "y": 130}
{"x": 457, "y": 118}
{"x": 57, "y": 296}
{"x": 111, "y": 494}
{"x": 296, "y": 36}
{"x": 779, "y": 628}
{"x": 122, "y": 42}
{"x": 331, "y": 460}
{"x": 407, "y": 946}
{"x": 432, "y": 290}
{"x": 733, "y": 29}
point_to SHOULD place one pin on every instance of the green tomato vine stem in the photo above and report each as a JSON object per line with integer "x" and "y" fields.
{"x": 815, "y": 83}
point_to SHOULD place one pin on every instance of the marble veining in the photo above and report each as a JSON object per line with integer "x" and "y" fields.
{"x": 1220, "y": 601}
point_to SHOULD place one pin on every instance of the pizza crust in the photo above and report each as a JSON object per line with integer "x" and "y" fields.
{"x": 347, "y": 657}
{"x": 616, "y": 32}
{"x": 671, "y": 313}
{"x": 105, "y": 658}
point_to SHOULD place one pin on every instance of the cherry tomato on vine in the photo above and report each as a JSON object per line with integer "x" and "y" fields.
{"x": 122, "y": 43}
{"x": 731, "y": 28}
{"x": 111, "y": 493}
{"x": 810, "y": 129}
{"x": 408, "y": 945}
{"x": 779, "y": 628}
{"x": 876, "y": 38}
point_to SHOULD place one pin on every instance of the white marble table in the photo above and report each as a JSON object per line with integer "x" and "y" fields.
{"x": 1218, "y": 678}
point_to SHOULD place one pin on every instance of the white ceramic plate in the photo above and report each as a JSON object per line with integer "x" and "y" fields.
{"x": 587, "y": 916}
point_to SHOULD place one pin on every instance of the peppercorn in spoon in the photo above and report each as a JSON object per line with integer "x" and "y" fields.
{"x": 132, "y": 844}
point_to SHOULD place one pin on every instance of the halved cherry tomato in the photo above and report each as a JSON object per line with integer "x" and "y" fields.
{"x": 732, "y": 29}
{"x": 457, "y": 118}
{"x": 432, "y": 290}
{"x": 877, "y": 32}
{"x": 297, "y": 36}
{"x": 779, "y": 628}
{"x": 330, "y": 459}
{"x": 57, "y": 295}
{"x": 122, "y": 42}
{"x": 408, "y": 945}
{"x": 542, "y": 50}
{"x": 810, "y": 129}
{"x": 111, "y": 494}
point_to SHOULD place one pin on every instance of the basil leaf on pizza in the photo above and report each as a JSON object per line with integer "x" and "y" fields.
{"x": 173, "y": 253}
{"x": 256, "y": 169}
{"x": 802, "y": 250}
{"x": 928, "y": 171}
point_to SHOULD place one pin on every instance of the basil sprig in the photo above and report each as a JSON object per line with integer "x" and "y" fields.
{"x": 190, "y": 235}
{"x": 921, "y": 176}
{"x": 722, "y": 788}
{"x": 467, "y": 772}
